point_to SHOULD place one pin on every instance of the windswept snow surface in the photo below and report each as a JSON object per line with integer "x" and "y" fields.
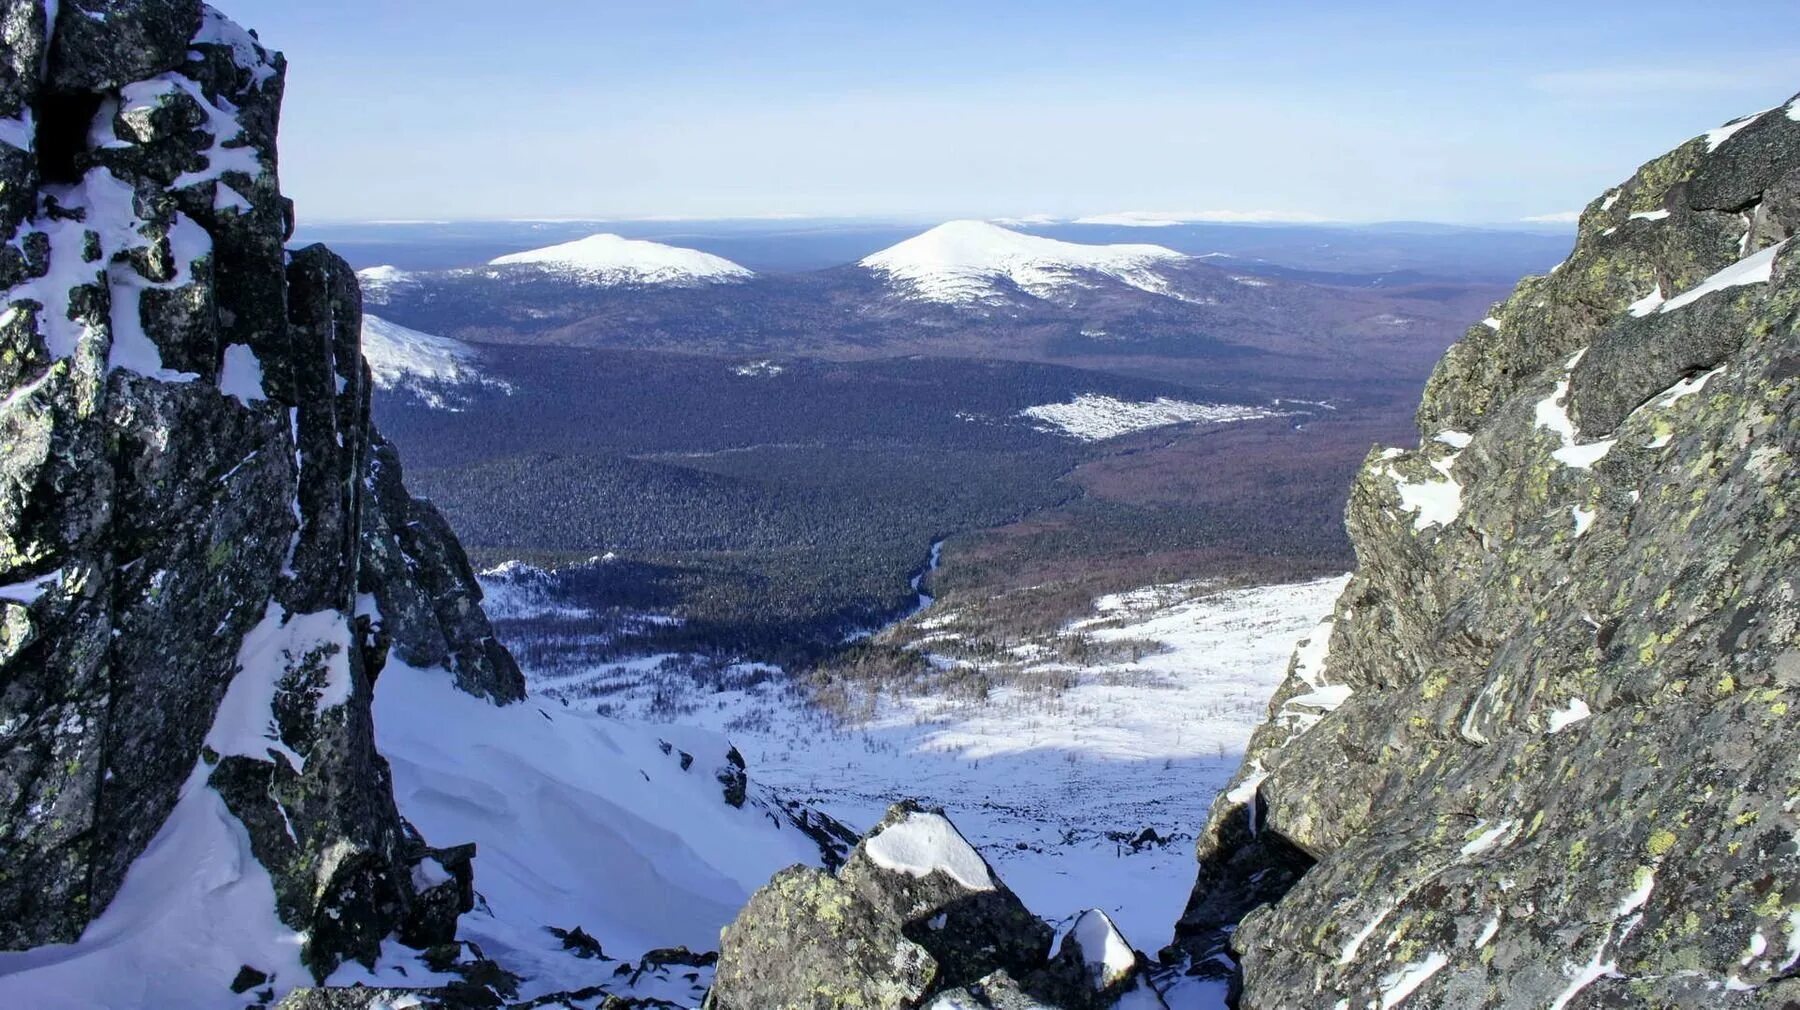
{"x": 1049, "y": 787}
{"x": 581, "y": 820}
{"x": 967, "y": 262}
{"x": 609, "y": 259}
{"x": 1091, "y": 417}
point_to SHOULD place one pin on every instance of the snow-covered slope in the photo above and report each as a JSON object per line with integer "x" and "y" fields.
{"x": 965, "y": 262}
{"x": 428, "y": 366}
{"x": 621, "y": 829}
{"x": 613, "y": 260}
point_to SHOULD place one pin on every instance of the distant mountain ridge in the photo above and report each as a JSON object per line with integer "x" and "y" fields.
{"x": 963, "y": 288}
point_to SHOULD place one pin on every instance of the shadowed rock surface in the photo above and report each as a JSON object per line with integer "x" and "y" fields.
{"x": 206, "y": 551}
{"x": 1543, "y": 754}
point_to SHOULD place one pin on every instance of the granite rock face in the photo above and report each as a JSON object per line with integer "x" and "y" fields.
{"x": 1544, "y": 752}
{"x": 206, "y": 550}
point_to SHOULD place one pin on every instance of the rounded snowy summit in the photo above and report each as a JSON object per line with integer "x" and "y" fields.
{"x": 960, "y": 261}
{"x": 614, "y": 259}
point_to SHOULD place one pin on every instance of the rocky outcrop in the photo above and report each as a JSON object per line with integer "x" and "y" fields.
{"x": 913, "y": 912}
{"x": 915, "y": 917}
{"x": 206, "y": 552}
{"x": 1543, "y": 754}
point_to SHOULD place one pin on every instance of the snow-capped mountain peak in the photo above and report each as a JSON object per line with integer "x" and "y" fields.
{"x": 960, "y": 262}
{"x": 613, "y": 259}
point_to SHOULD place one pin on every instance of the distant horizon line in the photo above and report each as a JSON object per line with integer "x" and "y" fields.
{"x": 1562, "y": 221}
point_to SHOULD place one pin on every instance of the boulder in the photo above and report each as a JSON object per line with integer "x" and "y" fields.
{"x": 915, "y": 910}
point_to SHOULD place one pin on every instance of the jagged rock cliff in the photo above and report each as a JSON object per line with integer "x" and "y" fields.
{"x": 1543, "y": 753}
{"x": 206, "y": 551}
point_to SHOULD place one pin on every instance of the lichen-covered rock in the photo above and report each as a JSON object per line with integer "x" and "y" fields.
{"x": 914, "y": 911}
{"x": 99, "y": 45}
{"x": 1543, "y": 754}
{"x": 193, "y": 502}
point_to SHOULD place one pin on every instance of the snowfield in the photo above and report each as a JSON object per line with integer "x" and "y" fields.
{"x": 619, "y": 828}
{"x": 1092, "y": 417}
{"x": 609, "y": 260}
{"x": 969, "y": 262}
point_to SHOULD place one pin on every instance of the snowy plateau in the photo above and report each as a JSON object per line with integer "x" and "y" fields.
{"x": 971, "y": 262}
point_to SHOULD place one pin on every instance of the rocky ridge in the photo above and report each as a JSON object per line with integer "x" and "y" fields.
{"x": 1543, "y": 754}
{"x": 207, "y": 552}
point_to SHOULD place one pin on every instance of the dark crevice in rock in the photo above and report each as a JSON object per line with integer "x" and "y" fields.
{"x": 1250, "y": 866}
{"x": 63, "y": 121}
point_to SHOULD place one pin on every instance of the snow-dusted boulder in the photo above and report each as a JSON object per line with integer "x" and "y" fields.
{"x": 914, "y": 911}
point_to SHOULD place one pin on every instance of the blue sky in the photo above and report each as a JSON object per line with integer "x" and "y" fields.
{"x": 922, "y": 110}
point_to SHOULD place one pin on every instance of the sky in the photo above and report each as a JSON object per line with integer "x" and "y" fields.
{"x": 1411, "y": 110}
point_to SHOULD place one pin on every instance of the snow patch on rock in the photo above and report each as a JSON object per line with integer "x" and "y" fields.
{"x": 1718, "y": 135}
{"x": 924, "y": 843}
{"x": 1754, "y": 269}
{"x": 1104, "y": 950}
{"x": 1575, "y": 711}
